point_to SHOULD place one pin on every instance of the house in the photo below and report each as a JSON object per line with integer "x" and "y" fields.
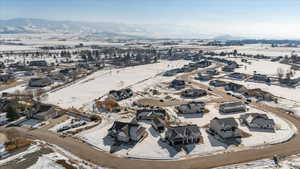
{"x": 232, "y": 107}
{"x": 230, "y": 67}
{"x": 4, "y": 103}
{"x": 193, "y": 93}
{"x": 217, "y": 83}
{"x": 191, "y": 108}
{"x": 126, "y": 132}
{"x": 39, "y": 82}
{"x": 213, "y": 72}
{"x": 290, "y": 81}
{"x": 260, "y": 94}
{"x": 122, "y": 94}
{"x": 235, "y": 87}
{"x": 261, "y": 77}
{"x": 3, "y": 118}
{"x": 203, "y": 64}
{"x": 6, "y": 77}
{"x": 158, "y": 124}
{"x": 258, "y": 121}
{"x": 2, "y": 65}
{"x": 182, "y": 135}
{"x": 177, "y": 84}
{"x": 42, "y": 112}
{"x": 236, "y": 75}
{"x": 204, "y": 77}
{"x": 225, "y": 128}
{"x": 38, "y": 63}
{"x": 150, "y": 113}
{"x": 57, "y": 77}
{"x": 68, "y": 71}
{"x": 168, "y": 73}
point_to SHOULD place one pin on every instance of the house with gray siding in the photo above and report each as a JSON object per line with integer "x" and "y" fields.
{"x": 225, "y": 128}
{"x": 232, "y": 107}
{"x": 183, "y": 135}
{"x": 258, "y": 121}
{"x": 126, "y": 132}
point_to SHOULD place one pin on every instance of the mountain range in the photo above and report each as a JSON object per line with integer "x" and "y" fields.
{"x": 103, "y": 30}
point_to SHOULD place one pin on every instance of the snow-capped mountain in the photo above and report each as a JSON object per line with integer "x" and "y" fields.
{"x": 106, "y": 29}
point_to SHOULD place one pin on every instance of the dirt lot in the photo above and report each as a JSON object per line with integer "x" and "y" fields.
{"x": 3, "y": 138}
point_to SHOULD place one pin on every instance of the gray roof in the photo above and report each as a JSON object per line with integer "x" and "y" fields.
{"x": 227, "y": 122}
{"x": 179, "y": 132}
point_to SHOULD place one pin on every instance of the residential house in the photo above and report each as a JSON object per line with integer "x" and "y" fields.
{"x": 258, "y": 121}
{"x": 4, "y": 103}
{"x": 168, "y": 73}
{"x": 217, "y": 83}
{"x": 290, "y": 82}
{"x": 177, "y": 84}
{"x": 150, "y": 113}
{"x": 229, "y": 68}
{"x": 193, "y": 93}
{"x": 2, "y": 65}
{"x": 260, "y": 94}
{"x": 239, "y": 76}
{"x": 225, "y": 128}
{"x": 126, "y": 132}
{"x": 191, "y": 108}
{"x": 235, "y": 87}
{"x": 57, "y": 77}
{"x": 213, "y": 72}
{"x": 182, "y": 135}
{"x": 204, "y": 77}
{"x": 38, "y": 63}
{"x": 232, "y": 107}
{"x": 39, "y": 82}
{"x": 261, "y": 77}
{"x": 3, "y": 118}
{"x": 122, "y": 94}
{"x": 42, "y": 112}
{"x": 6, "y": 77}
{"x": 203, "y": 64}
{"x": 158, "y": 124}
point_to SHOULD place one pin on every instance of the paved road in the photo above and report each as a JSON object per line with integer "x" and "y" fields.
{"x": 109, "y": 160}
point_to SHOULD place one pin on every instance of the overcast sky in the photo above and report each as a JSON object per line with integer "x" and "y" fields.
{"x": 279, "y": 18}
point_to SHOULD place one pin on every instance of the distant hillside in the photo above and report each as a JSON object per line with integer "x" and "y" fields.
{"x": 228, "y": 37}
{"x": 98, "y": 29}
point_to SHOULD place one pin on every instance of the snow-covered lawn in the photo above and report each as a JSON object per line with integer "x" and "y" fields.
{"x": 98, "y": 84}
{"x": 152, "y": 148}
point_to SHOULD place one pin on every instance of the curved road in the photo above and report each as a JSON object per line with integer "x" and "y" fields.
{"x": 105, "y": 159}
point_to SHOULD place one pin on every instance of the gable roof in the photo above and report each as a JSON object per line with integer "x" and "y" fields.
{"x": 227, "y": 122}
{"x": 179, "y": 132}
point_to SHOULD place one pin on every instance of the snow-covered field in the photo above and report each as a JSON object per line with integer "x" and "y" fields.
{"x": 49, "y": 160}
{"x": 291, "y": 162}
{"x": 264, "y": 49}
{"x": 264, "y": 67}
{"x": 98, "y": 84}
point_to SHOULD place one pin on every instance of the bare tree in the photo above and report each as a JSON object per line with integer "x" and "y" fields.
{"x": 280, "y": 73}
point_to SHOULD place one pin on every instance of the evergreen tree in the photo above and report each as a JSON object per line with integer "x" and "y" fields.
{"x": 12, "y": 113}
